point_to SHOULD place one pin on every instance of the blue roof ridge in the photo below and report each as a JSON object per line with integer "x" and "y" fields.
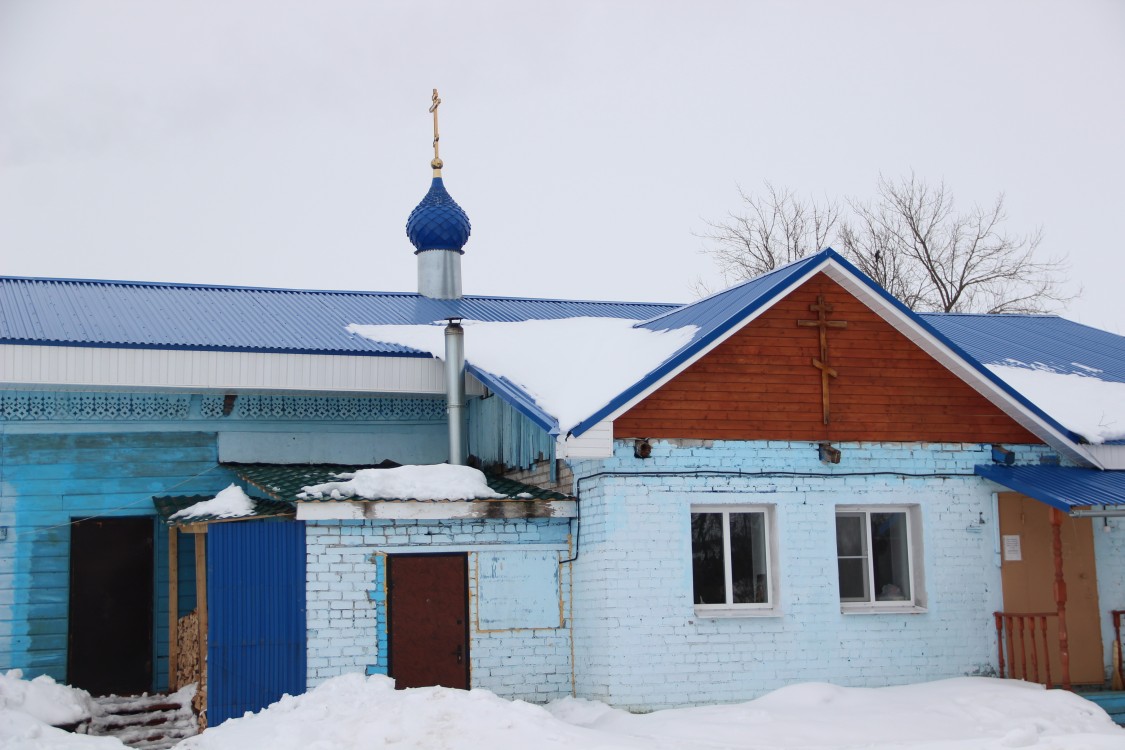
{"x": 826, "y": 252}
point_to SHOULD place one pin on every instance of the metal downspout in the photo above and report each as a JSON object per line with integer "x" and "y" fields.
{"x": 455, "y": 389}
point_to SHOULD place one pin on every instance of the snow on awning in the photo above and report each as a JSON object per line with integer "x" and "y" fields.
{"x": 168, "y": 507}
{"x": 1063, "y": 487}
{"x": 505, "y": 498}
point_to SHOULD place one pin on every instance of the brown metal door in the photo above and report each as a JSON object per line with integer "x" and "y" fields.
{"x": 428, "y": 612}
{"x": 1029, "y": 583}
{"x": 109, "y": 643}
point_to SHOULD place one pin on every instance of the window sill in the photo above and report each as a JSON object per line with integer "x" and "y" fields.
{"x": 903, "y": 609}
{"x": 734, "y": 613}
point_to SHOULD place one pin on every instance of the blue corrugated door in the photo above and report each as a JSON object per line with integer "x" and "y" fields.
{"x": 256, "y": 611}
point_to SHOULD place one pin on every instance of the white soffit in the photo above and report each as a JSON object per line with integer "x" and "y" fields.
{"x": 33, "y": 366}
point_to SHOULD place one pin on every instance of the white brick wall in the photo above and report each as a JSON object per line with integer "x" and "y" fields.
{"x": 638, "y": 641}
{"x": 346, "y": 603}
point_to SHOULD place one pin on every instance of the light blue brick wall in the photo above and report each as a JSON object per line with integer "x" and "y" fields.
{"x": 346, "y": 600}
{"x": 638, "y": 640}
{"x": 1109, "y": 557}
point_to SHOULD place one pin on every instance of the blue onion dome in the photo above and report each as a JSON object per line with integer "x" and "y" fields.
{"x": 438, "y": 223}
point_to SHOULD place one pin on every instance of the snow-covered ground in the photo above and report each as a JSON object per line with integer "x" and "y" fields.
{"x": 353, "y": 712}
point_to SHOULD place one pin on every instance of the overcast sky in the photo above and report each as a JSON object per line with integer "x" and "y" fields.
{"x": 284, "y": 144}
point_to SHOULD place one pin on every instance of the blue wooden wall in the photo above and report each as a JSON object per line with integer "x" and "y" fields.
{"x": 49, "y": 480}
{"x": 71, "y": 455}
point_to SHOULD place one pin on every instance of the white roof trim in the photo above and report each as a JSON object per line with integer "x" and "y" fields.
{"x": 38, "y": 367}
{"x": 953, "y": 362}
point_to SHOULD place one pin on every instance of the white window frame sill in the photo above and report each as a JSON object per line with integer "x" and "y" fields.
{"x": 731, "y": 613}
{"x": 903, "y": 609}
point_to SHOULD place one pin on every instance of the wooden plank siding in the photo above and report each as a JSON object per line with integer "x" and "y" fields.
{"x": 50, "y": 479}
{"x": 760, "y": 384}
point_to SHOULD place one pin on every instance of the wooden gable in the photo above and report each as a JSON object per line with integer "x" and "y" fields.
{"x": 762, "y": 383}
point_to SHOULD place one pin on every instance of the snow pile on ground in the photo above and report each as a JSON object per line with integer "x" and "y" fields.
{"x": 1093, "y": 408}
{"x": 613, "y": 354}
{"x": 354, "y": 712}
{"x": 232, "y": 502}
{"x": 44, "y": 699}
{"x": 28, "y": 708}
{"x": 433, "y": 482}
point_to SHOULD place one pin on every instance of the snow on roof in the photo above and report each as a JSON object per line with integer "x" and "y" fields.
{"x": 1085, "y": 404}
{"x": 432, "y": 482}
{"x": 352, "y": 712}
{"x": 232, "y": 502}
{"x": 570, "y": 367}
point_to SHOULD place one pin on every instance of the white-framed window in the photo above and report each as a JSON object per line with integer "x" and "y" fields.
{"x": 732, "y": 554}
{"x": 879, "y": 560}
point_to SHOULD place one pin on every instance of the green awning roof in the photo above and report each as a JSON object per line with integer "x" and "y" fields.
{"x": 283, "y": 482}
{"x": 166, "y": 507}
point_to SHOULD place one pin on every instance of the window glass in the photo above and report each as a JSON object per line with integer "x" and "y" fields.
{"x": 748, "y": 558}
{"x": 730, "y": 557}
{"x": 874, "y": 556}
{"x": 890, "y": 556}
{"x": 851, "y": 549}
{"x": 707, "y": 566}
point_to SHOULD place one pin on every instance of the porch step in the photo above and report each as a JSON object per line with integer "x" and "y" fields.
{"x": 1111, "y": 701}
{"x": 146, "y": 722}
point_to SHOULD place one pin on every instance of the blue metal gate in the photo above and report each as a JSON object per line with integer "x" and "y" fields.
{"x": 256, "y": 612}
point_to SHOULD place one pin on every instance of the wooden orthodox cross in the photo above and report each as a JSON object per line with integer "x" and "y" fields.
{"x": 821, "y": 308}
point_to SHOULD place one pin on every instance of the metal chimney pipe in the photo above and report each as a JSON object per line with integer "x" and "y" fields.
{"x": 455, "y": 390}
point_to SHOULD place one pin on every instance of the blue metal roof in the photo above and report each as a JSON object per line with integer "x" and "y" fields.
{"x": 1060, "y": 487}
{"x": 1061, "y": 345}
{"x": 520, "y": 399}
{"x": 75, "y": 312}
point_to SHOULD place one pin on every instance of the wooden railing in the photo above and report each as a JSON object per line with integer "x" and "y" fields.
{"x": 1021, "y": 637}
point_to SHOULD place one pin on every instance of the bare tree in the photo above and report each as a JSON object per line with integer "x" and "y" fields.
{"x": 909, "y": 238}
{"x": 776, "y": 228}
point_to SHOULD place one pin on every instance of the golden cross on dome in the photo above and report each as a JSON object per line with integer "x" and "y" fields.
{"x": 822, "y": 308}
{"x": 436, "y": 163}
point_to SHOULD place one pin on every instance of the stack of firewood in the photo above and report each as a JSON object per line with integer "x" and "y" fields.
{"x": 190, "y": 665}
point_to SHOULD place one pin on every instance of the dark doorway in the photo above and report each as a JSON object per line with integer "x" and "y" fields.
{"x": 428, "y": 613}
{"x": 109, "y": 642}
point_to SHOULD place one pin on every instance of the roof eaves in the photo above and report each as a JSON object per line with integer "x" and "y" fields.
{"x": 517, "y": 398}
{"x": 208, "y": 348}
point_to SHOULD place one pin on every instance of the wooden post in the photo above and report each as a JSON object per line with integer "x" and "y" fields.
{"x": 999, "y": 641}
{"x": 1060, "y": 595}
{"x": 201, "y": 600}
{"x": 173, "y": 607}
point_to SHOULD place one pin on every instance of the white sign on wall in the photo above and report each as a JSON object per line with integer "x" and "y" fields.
{"x": 517, "y": 590}
{"x": 1012, "y": 550}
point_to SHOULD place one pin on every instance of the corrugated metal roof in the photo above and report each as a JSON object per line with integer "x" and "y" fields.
{"x": 166, "y": 507}
{"x": 1041, "y": 340}
{"x": 185, "y": 316}
{"x": 1060, "y": 487}
{"x": 285, "y": 481}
